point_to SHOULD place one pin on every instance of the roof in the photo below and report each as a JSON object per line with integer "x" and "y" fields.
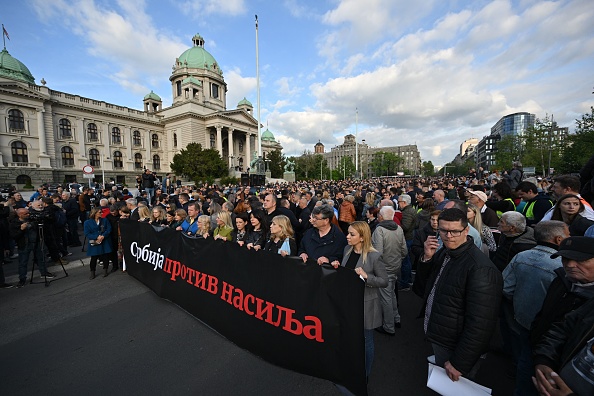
{"x": 153, "y": 96}
{"x": 245, "y": 102}
{"x": 191, "y": 80}
{"x": 197, "y": 57}
{"x": 267, "y": 135}
{"x": 14, "y": 69}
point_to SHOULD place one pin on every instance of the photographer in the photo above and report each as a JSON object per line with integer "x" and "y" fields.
{"x": 70, "y": 205}
{"x": 45, "y": 219}
{"x": 59, "y": 225}
{"x": 26, "y": 236}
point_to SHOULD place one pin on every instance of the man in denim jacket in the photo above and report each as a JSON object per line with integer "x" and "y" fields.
{"x": 525, "y": 282}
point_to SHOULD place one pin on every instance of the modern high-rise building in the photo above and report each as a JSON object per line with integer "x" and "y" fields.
{"x": 513, "y": 124}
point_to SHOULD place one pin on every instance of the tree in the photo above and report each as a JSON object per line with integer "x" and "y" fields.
{"x": 509, "y": 149}
{"x": 198, "y": 164}
{"x": 277, "y": 163}
{"x": 385, "y": 163}
{"x": 345, "y": 170}
{"x": 428, "y": 168}
{"x": 540, "y": 148}
{"x": 305, "y": 166}
{"x": 578, "y": 147}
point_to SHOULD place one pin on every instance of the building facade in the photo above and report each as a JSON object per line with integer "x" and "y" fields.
{"x": 48, "y": 135}
{"x": 366, "y": 154}
{"x": 513, "y": 124}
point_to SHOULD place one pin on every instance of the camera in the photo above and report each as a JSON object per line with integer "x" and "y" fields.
{"x": 39, "y": 216}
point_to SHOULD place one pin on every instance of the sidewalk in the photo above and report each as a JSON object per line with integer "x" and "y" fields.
{"x": 55, "y": 269}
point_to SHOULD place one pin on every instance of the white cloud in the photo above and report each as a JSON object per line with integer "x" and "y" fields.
{"x": 286, "y": 87}
{"x": 198, "y": 8}
{"x": 239, "y": 87}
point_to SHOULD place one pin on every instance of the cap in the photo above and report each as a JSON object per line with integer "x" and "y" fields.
{"x": 481, "y": 195}
{"x": 577, "y": 248}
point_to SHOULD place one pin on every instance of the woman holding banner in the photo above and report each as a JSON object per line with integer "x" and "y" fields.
{"x": 281, "y": 237}
{"x": 364, "y": 259}
{"x": 224, "y": 227}
{"x": 242, "y": 228}
{"x": 257, "y": 236}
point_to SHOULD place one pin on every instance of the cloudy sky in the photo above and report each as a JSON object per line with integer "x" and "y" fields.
{"x": 431, "y": 72}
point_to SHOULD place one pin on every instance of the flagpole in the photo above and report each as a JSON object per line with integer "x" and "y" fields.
{"x": 4, "y": 36}
{"x": 356, "y": 143}
{"x": 258, "y": 89}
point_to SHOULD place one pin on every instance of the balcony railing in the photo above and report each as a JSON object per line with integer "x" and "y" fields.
{"x": 23, "y": 165}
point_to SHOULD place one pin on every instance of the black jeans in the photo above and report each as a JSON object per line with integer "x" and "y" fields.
{"x": 104, "y": 258}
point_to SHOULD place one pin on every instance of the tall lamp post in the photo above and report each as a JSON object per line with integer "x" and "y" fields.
{"x": 365, "y": 157}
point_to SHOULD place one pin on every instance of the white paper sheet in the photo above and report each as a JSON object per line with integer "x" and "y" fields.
{"x": 438, "y": 380}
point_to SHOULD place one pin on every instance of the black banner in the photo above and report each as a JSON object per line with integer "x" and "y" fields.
{"x": 300, "y": 316}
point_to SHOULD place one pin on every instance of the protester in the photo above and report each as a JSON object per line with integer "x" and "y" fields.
{"x": 224, "y": 227}
{"x": 281, "y": 237}
{"x": 567, "y": 210}
{"x": 97, "y": 232}
{"x": 324, "y": 242}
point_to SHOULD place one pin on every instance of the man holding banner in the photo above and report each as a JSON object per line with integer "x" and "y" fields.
{"x": 325, "y": 242}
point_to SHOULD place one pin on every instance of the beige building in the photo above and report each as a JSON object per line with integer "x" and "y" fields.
{"x": 47, "y": 135}
{"x": 365, "y": 153}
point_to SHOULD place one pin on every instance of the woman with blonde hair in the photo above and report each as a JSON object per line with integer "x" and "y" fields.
{"x": 281, "y": 237}
{"x": 203, "y": 226}
{"x": 144, "y": 214}
{"x": 475, "y": 220}
{"x": 360, "y": 255}
{"x": 224, "y": 227}
{"x": 158, "y": 216}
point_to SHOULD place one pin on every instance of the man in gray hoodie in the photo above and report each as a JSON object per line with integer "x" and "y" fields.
{"x": 388, "y": 240}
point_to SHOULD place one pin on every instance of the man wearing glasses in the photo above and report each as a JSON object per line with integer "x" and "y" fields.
{"x": 325, "y": 242}
{"x": 462, "y": 297}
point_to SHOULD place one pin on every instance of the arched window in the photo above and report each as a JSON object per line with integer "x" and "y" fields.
{"x": 24, "y": 179}
{"x": 16, "y": 119}
{"x": 212, "y": 140}
{"x": 19, "y": 152}
{"x": 117, "y": 159}
{"x": 155, "y": 140}
{"x": 136, "y": 138}
{"x": 116, "y": 135}
{"x": 67, "y": 156}
{"x": 138, "y": 161}
{"x": 92, "y": 134}
{"x": 94, "y": 158}
{"x": 65, "y": 128}
{"x": 175, "y": 140}
{"x": 156, "y": 162}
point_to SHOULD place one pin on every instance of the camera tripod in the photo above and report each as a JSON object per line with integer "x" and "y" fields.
{"x": 38, "y": 254}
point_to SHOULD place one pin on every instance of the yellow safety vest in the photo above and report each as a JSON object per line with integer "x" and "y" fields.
{"x": 499, "y": 213}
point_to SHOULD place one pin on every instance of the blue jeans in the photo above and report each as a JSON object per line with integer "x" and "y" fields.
{"x": 405, "y": 270}
{"x": 24, "y": 260}
{"x": 389, "y": 303}
{"x": 524, "y": 366}
{"x": 150, "y": 193}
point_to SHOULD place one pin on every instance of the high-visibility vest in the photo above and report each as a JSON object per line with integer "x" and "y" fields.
{"x": 529, "y": 210}
{"x": 499, "y": 213}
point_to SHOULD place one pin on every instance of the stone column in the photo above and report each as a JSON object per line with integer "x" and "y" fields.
{"x": 44, "y": 158}
{"x": 230, "y": 142}
{"x": 248, "y": 151}
{"x": 219, "y": 140}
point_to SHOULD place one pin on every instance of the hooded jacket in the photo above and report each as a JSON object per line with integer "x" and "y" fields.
{"x": 388, "y": 239}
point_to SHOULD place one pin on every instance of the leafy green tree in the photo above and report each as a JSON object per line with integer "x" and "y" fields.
{"x": 578, "y": 148}
{"x": 198, "y": 164}
{"x": 509, "y": 149}
{"x": 540, "y": 147}
{"x": 386, "y": 163}
{"x": 277, "y": 163}
{"x": 428, "y": 168}
{"x": 305, "y": 166}
{"x": 345, "y": 170}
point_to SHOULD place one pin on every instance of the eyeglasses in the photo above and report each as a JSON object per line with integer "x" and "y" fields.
{"x": 454, "y": 233}
{"x": 316, "y": 218}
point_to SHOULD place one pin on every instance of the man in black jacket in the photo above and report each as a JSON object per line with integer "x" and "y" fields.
{"x": 70, "y": 205}
{"x": 148, "y": 183}
{"x": 462, "y": 297}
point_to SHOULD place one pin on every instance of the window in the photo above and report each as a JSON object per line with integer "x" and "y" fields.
{"x": 19, "y": 152}
{"x": 178, "y": 89}
{"x": 92, "y": 134}
{"x": 175, "y": 140}
{"x": 155, "y": 140}
{"x": 65, "y": 128}
{"x": 16, "y": 119}
{"x": 116, "y": 135}
{"x": 94, "y": 158}
{"x": 156, "y": 162}
{"x": 117, "y": 159}
{"x": 215, "y": 91}
{"x": 136, "y": 138}
{"x": 23, "y": 179}
{"x": 212, "y": 140}
{"x": 138, "y": 161}
{"x": 67, "y": 156}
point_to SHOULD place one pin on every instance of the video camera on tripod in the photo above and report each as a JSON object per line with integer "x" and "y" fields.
{"x": 39, "y": 217}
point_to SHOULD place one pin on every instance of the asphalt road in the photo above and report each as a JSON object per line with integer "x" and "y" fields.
{"x": 113, "y": 335}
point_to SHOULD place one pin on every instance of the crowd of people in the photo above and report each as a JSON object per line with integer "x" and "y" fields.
{"x": 494, "y": 257}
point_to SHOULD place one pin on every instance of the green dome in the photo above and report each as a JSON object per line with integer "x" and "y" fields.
{"x": 14, "y": 69}
{"x": 267, "y": 135}
{"x": 191, "y": 80}
{"x": 152, "y": 96}
{"x": 197, "y": 57}
{"x": 244, "y": 102}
